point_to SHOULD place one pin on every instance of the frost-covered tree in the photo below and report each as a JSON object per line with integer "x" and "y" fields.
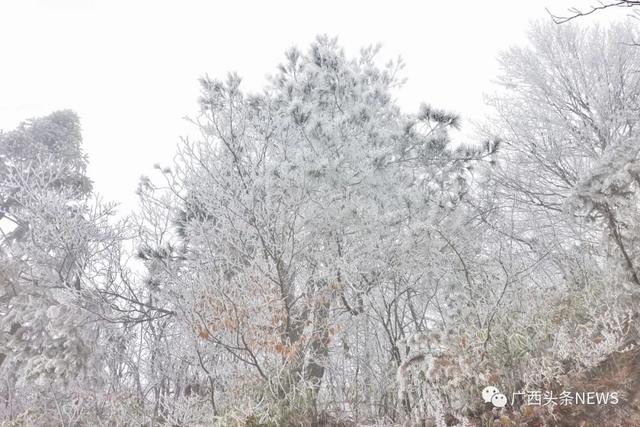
{"x": 294, "y": 212}
{"x": 569, "y": 102}
{"x": 54, "y": 251}
{"x": 564, "y": 188}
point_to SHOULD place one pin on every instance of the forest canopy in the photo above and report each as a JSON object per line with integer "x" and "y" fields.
{"x": 318, "y": 256}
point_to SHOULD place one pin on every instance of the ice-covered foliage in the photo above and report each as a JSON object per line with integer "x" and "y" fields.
{"x": 54, "y": 250}
{"x": 317, "y": 256}
{"x": 297, "y": 211}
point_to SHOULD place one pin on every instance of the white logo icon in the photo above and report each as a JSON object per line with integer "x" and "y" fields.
{"x": 499, "y": 400}
{"x": 493, "y": 395}
{"x": 488, "y": 392}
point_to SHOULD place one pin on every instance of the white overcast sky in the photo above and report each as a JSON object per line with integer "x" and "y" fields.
{"x": 130, "y": 68}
